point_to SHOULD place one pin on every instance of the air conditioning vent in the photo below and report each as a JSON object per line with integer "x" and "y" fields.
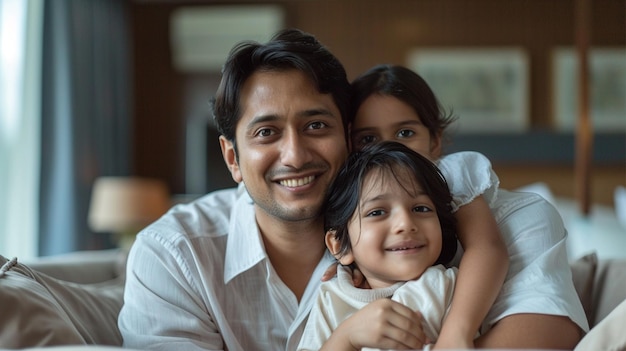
{"x": 202, "y": 37}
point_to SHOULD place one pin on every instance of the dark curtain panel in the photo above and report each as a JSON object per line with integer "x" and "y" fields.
{"x": 86, "y": 115}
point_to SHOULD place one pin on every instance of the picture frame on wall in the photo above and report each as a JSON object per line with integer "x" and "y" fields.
{"x": 607, "y": 91}
{"x": 487, "y": 88}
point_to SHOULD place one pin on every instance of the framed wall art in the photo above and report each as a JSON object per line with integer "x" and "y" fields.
{"x": 607, "y": 90}
{"x": 487, "y": 88}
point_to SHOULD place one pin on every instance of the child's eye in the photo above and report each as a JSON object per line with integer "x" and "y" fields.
{"x": 375, "y": 213}
{"x": 405, "y": 133}
{"x": 367, "y": 139}
{"x": 422, "y": 209}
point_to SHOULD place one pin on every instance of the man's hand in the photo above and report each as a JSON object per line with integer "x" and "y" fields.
{"x": 383, "y": 324}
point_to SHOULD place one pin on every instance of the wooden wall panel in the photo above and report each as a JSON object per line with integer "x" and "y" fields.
{"x": 158, "y": 127}
{"x": 363, "y": 33}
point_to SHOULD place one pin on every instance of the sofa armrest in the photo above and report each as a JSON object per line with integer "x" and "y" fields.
{"x": 42, "y": 310}
{"x": 83, "y": 267}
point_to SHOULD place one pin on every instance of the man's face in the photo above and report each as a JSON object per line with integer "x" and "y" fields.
{"x": 290, "y": 145}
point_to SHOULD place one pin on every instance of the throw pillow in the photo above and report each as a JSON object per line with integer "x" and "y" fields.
{"x": 608, "y": 334}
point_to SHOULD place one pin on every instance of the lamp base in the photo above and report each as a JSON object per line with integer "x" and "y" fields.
{"x": 125, "y": 240}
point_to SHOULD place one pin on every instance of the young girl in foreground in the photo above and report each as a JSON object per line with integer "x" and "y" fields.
{"x": 537, "y": 307}
{"x": 389, "y": 214}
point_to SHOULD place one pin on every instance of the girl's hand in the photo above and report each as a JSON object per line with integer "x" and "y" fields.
{"x": 383, "y": 324}
{"x": 331, "y": 271}
{"x": 358, "y": 279}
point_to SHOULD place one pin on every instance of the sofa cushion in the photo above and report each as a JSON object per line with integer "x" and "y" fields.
{"x": 583, "y": 275}
{"x": 39, "y": 310}
{"x": 608, "y": 334}
{"x": 30, "y": 316}
{"x": 609, "y": 288}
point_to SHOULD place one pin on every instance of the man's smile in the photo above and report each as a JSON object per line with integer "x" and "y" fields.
{"x": 296, "y": 182}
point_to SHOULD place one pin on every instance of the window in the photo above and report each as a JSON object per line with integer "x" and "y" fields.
{"x": 20, "y": 47}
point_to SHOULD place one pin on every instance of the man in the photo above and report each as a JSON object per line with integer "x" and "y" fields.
{"x": 239, "y": 269}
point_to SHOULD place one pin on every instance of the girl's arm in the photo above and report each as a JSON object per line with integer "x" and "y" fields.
{"x": 482, "y": 271}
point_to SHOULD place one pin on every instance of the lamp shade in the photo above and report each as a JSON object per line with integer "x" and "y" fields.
{"x": 126, "y": 204}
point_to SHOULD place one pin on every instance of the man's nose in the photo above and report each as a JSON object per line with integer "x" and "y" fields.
{"x": 295, "y": 149}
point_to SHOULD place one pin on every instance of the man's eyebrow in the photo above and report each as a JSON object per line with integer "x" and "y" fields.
{"x": 303, "y": 114}
{"x": 263, "y": 119}
{"x": 316, "y": 112}
{"x": 260, "y": 119}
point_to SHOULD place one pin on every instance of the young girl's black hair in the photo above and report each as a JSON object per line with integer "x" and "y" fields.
{"x": 405, "y": 85}
{"x": 344, "y": 193}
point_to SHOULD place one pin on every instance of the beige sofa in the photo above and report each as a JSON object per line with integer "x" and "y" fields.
{"x": 71, "y": 299}
{"x": 74, "y": 299}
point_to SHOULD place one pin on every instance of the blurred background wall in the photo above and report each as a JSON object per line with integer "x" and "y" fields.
{"x": 171, "y": 106}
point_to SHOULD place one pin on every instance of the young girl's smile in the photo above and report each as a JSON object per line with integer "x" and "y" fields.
{"x": 395, "y": 232}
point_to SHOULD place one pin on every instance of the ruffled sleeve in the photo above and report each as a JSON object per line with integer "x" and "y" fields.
{"x": 469, "y": 174}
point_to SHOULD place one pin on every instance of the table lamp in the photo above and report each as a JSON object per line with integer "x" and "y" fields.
{"x": 125, "y": 205}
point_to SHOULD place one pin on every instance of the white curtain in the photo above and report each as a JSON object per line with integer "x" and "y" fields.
{"x": 20, "y": 104}
{"x": 65, "y": 117}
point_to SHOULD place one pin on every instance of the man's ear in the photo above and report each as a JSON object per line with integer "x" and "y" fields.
{"x": 334, "y": 246}
{"x": 230, "y": 158}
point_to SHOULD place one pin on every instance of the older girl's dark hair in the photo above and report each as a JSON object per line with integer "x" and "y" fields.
{"x": 288, "y": 49}
{"x": 343, "y": 196}
{"x": 405, "y": 85}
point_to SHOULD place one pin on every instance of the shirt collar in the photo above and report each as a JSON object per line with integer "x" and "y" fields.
{"x": 244, "y": 247}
